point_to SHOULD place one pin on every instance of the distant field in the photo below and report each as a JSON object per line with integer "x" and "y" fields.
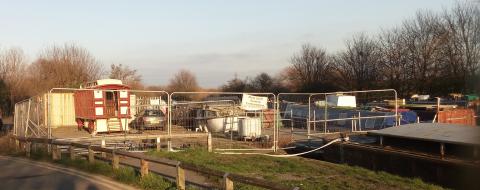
{"x": 295, "y": 171}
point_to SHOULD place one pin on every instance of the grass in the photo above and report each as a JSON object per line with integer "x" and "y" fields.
{"x": 295, "y": 171}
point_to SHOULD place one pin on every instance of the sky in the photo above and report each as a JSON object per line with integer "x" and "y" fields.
{"x": 216, "y": 40}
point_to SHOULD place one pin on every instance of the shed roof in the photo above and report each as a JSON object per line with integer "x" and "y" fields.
{"x": 436, "y": 132}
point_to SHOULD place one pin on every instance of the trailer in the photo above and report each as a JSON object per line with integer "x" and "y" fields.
{"x": 103, "y": 106}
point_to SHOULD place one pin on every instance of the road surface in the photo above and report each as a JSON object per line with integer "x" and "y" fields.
{"x": 19, "y": 173}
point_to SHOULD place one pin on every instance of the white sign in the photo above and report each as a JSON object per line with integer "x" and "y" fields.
{"x": 154, "y": 102}
{"x": 252, "y": 103}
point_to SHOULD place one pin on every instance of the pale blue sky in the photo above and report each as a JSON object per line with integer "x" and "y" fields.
{"x": 214, "y": 39}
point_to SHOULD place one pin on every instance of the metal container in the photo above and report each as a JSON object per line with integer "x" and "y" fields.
{"x": 250, "y": 127}
{"x": 222, "y": 124}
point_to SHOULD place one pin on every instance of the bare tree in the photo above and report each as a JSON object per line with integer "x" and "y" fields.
{"x": 65, "y": 66}
{"x": 462, "y": 49}
{"x": 12, "y": 73}
{"x": 127, "y": 75}
{"x": 183, "y": 81}
{"x": 311, "y": 69}
{"x": 358, "y": 66}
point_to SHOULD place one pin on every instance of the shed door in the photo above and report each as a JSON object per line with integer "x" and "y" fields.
{"x": 111, "y": 103}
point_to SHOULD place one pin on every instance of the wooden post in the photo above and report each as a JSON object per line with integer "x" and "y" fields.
{"x": 56, "y": 154}
{"x": 169, "y": 144}
{"x": 71, "y": 150}
{"x": 342, "y": 156}
{"x": 475, "y": 152}
{"x": 143, "y": 168}
{"x": 115, "y": 160}
{"x": 442, "y": 150}
{"x": 91, "y": 155}
{"x": 209, "y": 142}
{"x": 103, "y": 145}
{"x": 228, "y": 184}
{"x": 180, "y": 177}
{"x": 17, "y": 144}
{"x": 158, "y": 144}
{"x": 28, "y": 148}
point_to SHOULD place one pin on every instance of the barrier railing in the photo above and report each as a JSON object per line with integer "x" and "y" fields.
{"x": 228, "y": 179}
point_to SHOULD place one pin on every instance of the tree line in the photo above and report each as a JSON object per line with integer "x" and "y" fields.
{"x": 431, "y": 53}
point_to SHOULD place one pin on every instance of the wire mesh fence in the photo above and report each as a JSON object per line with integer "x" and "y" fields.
{"x": 29, "y": 117}
{"x": 232, "y": 123}
{"x": 353, "y": 111}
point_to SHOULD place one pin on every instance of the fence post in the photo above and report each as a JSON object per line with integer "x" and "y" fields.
{"x": 227, "y": 182}
{"x": 56, "y": 154}
{"x": 158, "y": 143}
{"x": 180, "y": 177}
{"x": 143, "y": 168}
{"x": 209, "y": 142}
{"x": 71, "y": 150}
{"x": 91, "y": 154}
{"x": 115, "y": 160}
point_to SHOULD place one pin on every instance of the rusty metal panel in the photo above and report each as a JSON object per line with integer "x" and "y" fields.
{"x": 457, "y": 116}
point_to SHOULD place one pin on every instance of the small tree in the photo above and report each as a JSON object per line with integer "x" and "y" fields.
{"x": 183, "y": 81}
{"x": 127, "y": 75}
{"x": 65, "y": 66}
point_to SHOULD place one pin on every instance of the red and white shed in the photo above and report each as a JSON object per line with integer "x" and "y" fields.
{"x": 103, "y": 106}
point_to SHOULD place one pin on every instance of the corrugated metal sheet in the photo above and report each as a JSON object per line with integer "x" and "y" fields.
{"x": 62, "y": 110}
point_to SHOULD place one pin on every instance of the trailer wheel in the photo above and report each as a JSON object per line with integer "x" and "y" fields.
{"x": 80, "y": 124}
{"x": 91, "y": 127}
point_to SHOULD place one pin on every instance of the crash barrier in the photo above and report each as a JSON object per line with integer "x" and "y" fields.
{"x": 114, "y": 157}
{"x": 352, "y": 111}
{"x": 237, "y": 121}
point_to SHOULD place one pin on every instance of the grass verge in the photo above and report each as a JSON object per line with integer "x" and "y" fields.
{"x": 296, "y": 171}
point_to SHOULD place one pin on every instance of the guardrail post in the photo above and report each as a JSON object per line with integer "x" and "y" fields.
{"x": 71, "y": 150}
{"x": 28, "y": 148}
{"x": 143, "y": 168}
{"x": 180, "y": 177}
{"x": 209, "y": 142}
{"x": 91, "y": 154}
{"x": 56, "y": 154}
{"x": 103, "y": 145}
{"x": 17, "y": 144}
{"x": 227, "y": 182}
{"x": 158, "y": 143}
{"x": 115, "y": 160}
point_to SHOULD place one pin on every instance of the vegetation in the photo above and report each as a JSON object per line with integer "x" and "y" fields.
{"x": 301, "y": 172}
{"x": 431, "y": 53}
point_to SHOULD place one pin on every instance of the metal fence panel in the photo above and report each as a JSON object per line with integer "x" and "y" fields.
{"x": 223, "y": 115}
{"x": 352, "y": 111}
